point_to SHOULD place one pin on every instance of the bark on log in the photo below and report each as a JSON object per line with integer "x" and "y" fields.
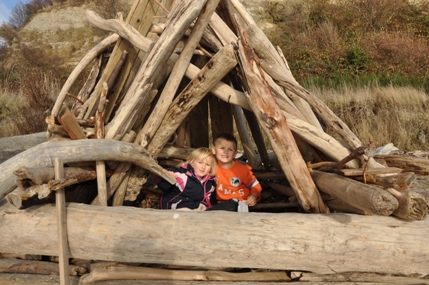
{"x": 362, "y": 196}
{"x": 75, "y": 151}
{"x": 277, "y": 130}
{"x": 317, "y": 243}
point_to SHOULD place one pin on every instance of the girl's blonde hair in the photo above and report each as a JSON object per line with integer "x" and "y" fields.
{"x": 201, "y": 154}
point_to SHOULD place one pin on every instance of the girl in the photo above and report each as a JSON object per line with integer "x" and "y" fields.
{"x": 195, "y": 183}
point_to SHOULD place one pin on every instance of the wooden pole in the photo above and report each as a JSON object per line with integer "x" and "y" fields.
{"x": 63, "y": 248}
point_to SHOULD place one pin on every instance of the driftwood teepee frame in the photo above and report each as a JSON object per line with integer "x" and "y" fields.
{"x": 179, "y": 71}
{"x": 173, "y": 65}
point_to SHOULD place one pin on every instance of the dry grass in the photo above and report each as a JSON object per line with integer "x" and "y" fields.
{"x": 382, "y": 114}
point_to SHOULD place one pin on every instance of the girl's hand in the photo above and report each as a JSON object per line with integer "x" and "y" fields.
{"x": 172, "y": 173}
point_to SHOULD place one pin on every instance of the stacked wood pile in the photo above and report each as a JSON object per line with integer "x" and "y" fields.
{"x": 180, "y": 73}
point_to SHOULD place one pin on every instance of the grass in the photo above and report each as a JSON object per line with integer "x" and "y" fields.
{"x": 381, "y": 114}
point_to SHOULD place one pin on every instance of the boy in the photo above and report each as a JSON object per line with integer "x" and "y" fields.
{"x": 234, "y": 179}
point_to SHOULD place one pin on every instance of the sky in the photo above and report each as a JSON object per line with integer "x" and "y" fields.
{"x": 5, "y": 8}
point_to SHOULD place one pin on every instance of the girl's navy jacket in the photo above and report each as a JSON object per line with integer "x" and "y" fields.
{"x": 189, "y": 191}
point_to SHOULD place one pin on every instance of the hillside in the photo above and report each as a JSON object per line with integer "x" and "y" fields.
{"x": 56, "y": 39}
{"x": 65, "y": 31}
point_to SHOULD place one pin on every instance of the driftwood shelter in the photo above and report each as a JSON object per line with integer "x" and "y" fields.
{"x": 179, "y": 73}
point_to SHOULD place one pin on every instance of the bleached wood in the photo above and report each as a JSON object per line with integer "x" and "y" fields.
{"x": 140, "y": 16}
{"x": 213, "y": 72}
{"x": 12, "y": 265}
{"x": 361, "y": 277}
{"x": 243, "y": 131}
{"x": 100, "y": 165}
{"x": 277, "y": 130}
{"x": 366, "y": 197}
{"x": 36, "y": 176}
{"x": 400, "y": 181}
{"x": 178, "y": 20}
{"x": 269, "y": 56}
{"x": 79, "y": 108}
{"x": 361, "y": 171}
{"x": 70, "y": 124}
{"x": 43, "y": 155}
{"x": 418, "y": 165}
{"x": 118, "y": 198}
{"x": 60, "y": 203}
{"x": 93, "y": 53}
{"x": 175, "y": 77}
{"x": 226, "y": 36}
{"x": 121, "y": 272}
{"x": 339, "y": 242}
{"x": 258, "y": 137}
{"x": 411, "y": 205}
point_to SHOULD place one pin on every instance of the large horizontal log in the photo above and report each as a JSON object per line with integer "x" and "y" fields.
{"x": 44, "y": 154}
{"x": 368, "y": 198}
{"x": 317, "y": 243}
{"x": 11, "y": 146}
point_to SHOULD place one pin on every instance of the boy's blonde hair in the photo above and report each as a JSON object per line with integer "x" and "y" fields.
{"x": 201, "y": 154}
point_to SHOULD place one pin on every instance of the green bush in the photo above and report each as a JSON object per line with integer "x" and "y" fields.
{"x": 331, "y": 41}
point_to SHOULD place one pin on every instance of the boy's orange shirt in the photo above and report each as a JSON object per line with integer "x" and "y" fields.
{"x": 236, "y": 182}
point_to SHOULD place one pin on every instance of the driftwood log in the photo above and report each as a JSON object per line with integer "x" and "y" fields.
{"x": 44, "y": 154}
{"x": 418, "y": 165}
{"x": 316, "y": 243}
{"x": 276, "y": 128}
{"x": 368, "y": 198}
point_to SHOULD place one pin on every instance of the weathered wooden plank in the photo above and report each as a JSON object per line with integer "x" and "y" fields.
{"x": 70, "y": 124}
{"x": 361, "y": 171}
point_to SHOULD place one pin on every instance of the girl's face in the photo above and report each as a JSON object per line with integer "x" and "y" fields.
{"x": 202, "y": 167}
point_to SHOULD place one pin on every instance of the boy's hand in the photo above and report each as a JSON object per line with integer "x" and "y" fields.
{"x": 252, "y": 199}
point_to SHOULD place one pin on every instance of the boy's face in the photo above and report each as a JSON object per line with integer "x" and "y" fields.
{"x": 224, "y": 151}
{"x": 202, "y": 167}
